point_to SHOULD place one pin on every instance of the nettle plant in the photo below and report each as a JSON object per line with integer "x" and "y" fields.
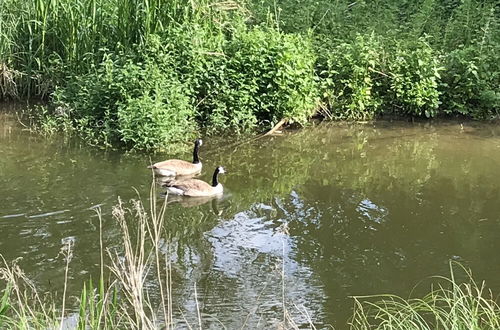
{"x": 263, "y": 77}
{"x": 470, "y": 84}
{"x": 160, "y": 116}
{"x": 138, "y": 101}
{"x": 413, "y": 87}
{"x": 350, "y": 78}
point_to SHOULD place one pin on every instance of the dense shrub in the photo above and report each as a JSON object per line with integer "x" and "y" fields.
{"x": 413, "y": 84}
{"x": 373, "y": 75}
{"x": 471, "y": 83}
{"x": 350, "y": 73}
{"x": 140, "y": 103}
{"x": 263, "y": 76}
{"x": 226, "y": 98}
{"x": 147, "y": 98}
{"x": 157, "y": 118}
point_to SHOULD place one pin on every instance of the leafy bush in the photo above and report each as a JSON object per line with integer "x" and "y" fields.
{"x": 470, "y": 84}
{"x": 371, "y": 75}
{"x": 140, "y": 103}
{"x": 350, "y": 73}
{"x": 226, "y": 97}
{"x": 156, "y": 118}
{"x": 413, "y": 86}
{"x": 263, "y": 76}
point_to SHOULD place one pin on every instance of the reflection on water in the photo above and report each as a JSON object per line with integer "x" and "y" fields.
{"x": 192, "y": 201}
{"x": 334, "y": 210}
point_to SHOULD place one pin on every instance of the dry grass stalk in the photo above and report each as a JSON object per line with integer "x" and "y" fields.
{"x": 131, "y": 269}
{"x": 8, "y": 86}
{"x": 67, "y": 251}
{"x": 26, "y": 305}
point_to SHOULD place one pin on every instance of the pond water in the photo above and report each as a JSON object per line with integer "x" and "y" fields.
{"x": 368, "y": 208}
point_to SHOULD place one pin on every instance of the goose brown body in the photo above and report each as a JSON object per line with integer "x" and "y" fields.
{"x": 174, "y": 167}
{"x": 178, "y": 167}
{"x": 195, "y": 187}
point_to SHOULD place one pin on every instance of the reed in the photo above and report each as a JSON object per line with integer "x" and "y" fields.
{"x": 22, "y": 307}
{"x": 449, "y": 305}
{"x": 47, "y": 39}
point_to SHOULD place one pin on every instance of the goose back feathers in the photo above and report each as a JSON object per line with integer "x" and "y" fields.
{"x": 177, "y": 167}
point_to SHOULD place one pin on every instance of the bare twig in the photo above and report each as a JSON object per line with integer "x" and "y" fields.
{"x": 276, "y": 127}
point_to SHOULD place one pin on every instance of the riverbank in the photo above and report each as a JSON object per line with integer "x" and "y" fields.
{"x": 150, "y": 75}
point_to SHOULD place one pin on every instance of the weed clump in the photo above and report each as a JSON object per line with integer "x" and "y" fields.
{"x": 372, "y": 75}
{"x": 451, "y": 305}
{"x": 351, "y": 74}
{"x": 264, "y": 76}
{"x": 141, "y": 104}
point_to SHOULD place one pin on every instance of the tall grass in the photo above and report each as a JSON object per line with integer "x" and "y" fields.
{"x": 48, "y": 39}
{"x": 449, "y": 305}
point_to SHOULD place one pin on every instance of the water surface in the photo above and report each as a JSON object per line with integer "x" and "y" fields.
{"x": 351, "y": 209}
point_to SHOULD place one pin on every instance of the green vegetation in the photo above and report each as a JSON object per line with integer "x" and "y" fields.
{"x": 149, "y": 74}
{"x": 264, "y": 76}
{"x": 450, "y": 306}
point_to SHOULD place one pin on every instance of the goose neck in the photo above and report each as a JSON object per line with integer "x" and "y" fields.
{"x": 196, "y": 158}
{"x": 215, "y": 180}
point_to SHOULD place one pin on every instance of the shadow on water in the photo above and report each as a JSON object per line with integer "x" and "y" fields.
{"x": 349, "y": 209}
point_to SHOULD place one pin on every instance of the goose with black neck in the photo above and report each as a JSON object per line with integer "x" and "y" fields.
{"x": 197, "y": 188}
{"x": 177, "y": 167}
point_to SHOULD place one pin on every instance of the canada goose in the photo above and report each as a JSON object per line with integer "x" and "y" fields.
{"x": 195, "y": 187}
{"x": 174, "y": 167}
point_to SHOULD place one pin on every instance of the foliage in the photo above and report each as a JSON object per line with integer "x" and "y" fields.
{"x": 263, "y": 76}
{"x": 151, "y": 121}
{"x": 98, "y": 306}
{"x": 234, "y": 66}
{"x": 471, "y": 75}
{"x": 350, "y": 78}
{"x": 48, "y": 40}
{"x": 451, "y": 305}
{"x": 372, "y": 75}
{"x": 470, "y": 84}
{"x": 413, "y": 85}
{"x": 142, "y": 104}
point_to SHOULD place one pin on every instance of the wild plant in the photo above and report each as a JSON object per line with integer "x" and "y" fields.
{"x": 262, "y": 77}
{"x": 414, "y": 76}
{"x": 450, "y": 305}
{"x": 351, "y": 75}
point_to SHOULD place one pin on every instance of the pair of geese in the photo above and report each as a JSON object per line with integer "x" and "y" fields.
{"x": 181, "y": 168}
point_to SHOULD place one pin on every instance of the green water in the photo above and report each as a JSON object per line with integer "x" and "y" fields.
{"x": 369, "y": 208}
